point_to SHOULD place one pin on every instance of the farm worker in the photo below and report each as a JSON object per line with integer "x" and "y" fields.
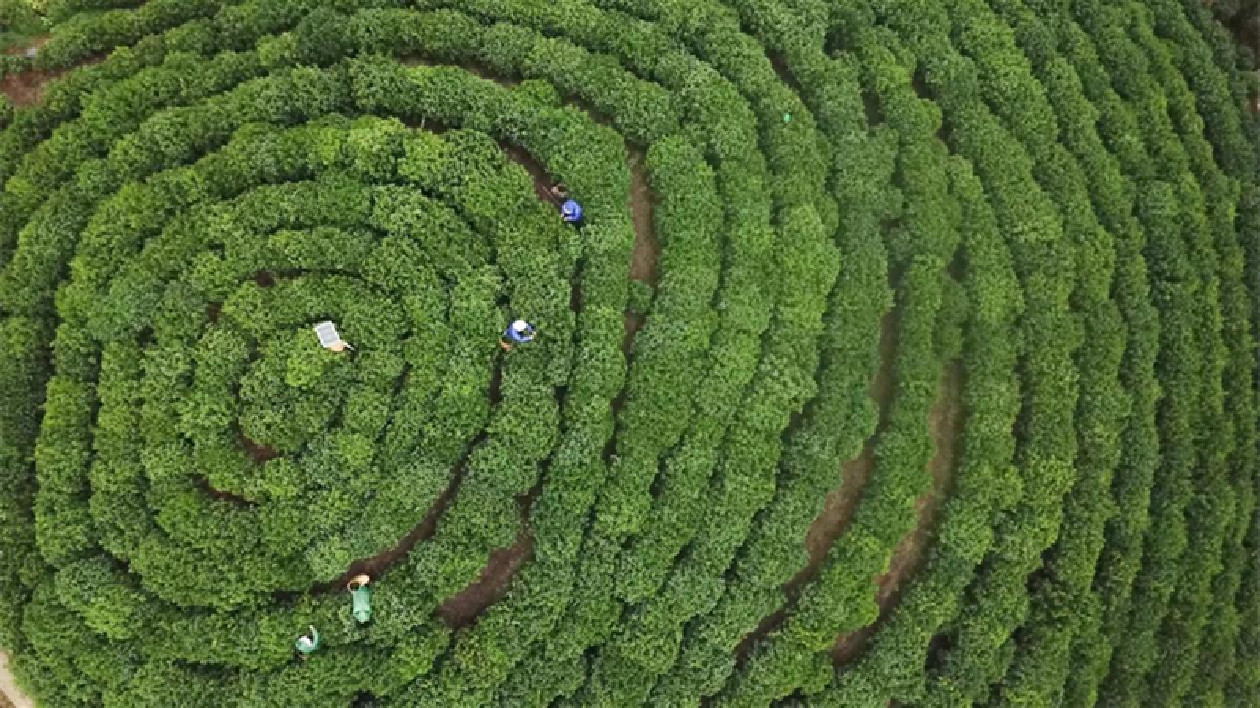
{"x": 571, "y": 211}
{"x": 329, "y": 338}
{"x": 360, "y": 598}
{"x": 308, "y": 643}
{"x": 519, "y": 332}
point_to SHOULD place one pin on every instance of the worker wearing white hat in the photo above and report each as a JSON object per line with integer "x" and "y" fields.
{"x": 519, "y": 332}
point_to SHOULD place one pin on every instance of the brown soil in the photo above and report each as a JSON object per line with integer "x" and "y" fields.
{"x": 204, "y": 485}
{"x": 19, "y": 50}
{"x": 376, "y": 566}
{"x": 496, "y": 385}
{"x": 542, "y": 181}
{"x": 779, "y": 61}
{"x": 258, "y": 453}
{"x": 461, "y": 609}
{"x": 27, "y": 88}
{"x": 841, "y": 502}
{"x": 647, "y": 249}
{"x": 945, "y": 423}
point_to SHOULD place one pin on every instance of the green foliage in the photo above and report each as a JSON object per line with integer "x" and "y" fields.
{"x": 851, "y": 201}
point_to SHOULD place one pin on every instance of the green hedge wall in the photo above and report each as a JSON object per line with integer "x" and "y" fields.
{"x": 1060, "y": 199}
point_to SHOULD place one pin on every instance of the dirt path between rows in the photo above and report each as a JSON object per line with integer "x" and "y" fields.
{"x": 376, "y": 566}
{"x": 10, "y": 695}
{"x": 462, "y": 609}
{"x": 842, "y": 502}
{"x": 647, "y": 250}
{"x": 28, "y": 87}
{"x": 945, "y": 423}
{"x": 839, "y": 504}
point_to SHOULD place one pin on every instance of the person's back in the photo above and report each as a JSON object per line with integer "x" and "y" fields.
{"x": 306, "y": 644}
{"x": 520, "y": 331}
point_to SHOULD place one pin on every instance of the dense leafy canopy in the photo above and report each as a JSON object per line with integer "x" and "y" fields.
{"x": 1045, "y": 215}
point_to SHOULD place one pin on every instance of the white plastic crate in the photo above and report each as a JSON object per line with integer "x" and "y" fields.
{"x": 328, "y": 337}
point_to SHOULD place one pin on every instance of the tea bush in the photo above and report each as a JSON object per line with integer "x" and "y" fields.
{"x": 846, "y": 220}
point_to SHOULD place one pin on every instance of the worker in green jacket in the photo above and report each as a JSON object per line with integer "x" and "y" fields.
{"x": 360, "y": 598}
{"x": 308, "y": 643}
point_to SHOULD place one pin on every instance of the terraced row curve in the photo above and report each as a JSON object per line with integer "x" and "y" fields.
{"x": 904, "y": 352}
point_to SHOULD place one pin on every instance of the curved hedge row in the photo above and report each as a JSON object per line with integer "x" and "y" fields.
{"x": 1064, "y": 197}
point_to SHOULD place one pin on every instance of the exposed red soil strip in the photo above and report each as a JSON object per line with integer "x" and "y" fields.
{"x": 28, "y": 87}
{"x": 945, "y": 423}
{"x": 542, "y": 181}
{"x": 462, "y": 609}
{"x": 840, "y": 503}
{"x": 779, "y": 61}
{"x": 376, "y": 566}
{"x": 647, "y": 250}
{"x": 258, "y": 453}
{"x": 220, "y": 495}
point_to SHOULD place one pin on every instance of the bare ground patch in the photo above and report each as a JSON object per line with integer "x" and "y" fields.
{"x": 779, "y": 62}
{"x": 28, "y": 87}
{"x": 258, "y": 453}
{"x": 542, "y": 181}
{"x": 647, "y": 249}
{"x": 376, "y": 566}
{"x": 841, "y": 502}
{"x": 945, "y": 425}
{"x": 461, "y": 609}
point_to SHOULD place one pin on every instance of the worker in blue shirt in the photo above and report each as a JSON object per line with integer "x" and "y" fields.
{"x": 570, "y": 210}
{"x": 519, "y": 332}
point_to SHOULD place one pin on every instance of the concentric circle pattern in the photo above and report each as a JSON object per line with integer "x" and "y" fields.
{"x": 904, "y": 353}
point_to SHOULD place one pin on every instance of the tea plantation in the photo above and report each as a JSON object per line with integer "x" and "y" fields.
{"x": 905, "y": 352}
